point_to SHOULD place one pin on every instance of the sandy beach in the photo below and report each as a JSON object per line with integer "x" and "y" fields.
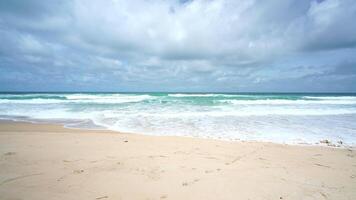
{"x": 41, "y": 161}
{"x": 177, "y": 100}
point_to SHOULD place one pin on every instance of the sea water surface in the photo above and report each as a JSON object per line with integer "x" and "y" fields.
{"x": 282, "y": 118}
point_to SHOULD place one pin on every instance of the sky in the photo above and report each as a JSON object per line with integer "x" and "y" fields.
{"x": 178, "y": 46}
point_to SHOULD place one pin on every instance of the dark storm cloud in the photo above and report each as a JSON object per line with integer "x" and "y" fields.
{"x": 220, "y": 45}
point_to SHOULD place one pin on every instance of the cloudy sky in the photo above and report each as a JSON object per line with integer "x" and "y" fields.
{"x": 176, "y": 45}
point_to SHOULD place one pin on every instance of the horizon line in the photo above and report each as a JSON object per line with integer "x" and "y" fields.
{"x": 187, "y": 92}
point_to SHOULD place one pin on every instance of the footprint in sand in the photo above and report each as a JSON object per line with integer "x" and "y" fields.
{"x": 103, "y": 197}
{"x": 186, "y": 183}
{"x": 350, "y": 155}
{"x": 68, "y": 161}
{"x": 78, "y": 171}
{"x": 320, "y": 165}
{"x": 211, "y": 158}
{"x": 60, "y": 178}
{"x": 233, "y": 161}
{"x": 9, "y": 153}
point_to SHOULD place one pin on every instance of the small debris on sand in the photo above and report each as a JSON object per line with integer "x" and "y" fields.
{"x": 325, "y": 142}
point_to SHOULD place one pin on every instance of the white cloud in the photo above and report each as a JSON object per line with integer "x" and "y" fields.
{"x": 207, "y": 42}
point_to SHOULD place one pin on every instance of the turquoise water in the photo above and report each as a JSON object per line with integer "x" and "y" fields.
{"x": 281, "y": 118}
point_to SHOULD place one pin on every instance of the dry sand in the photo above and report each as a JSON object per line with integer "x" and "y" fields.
{"x": 50, "y": 162}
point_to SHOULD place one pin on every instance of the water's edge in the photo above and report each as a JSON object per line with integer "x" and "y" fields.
{"x": 99, "y": 128}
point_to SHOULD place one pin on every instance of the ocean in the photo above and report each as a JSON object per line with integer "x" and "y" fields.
{"x": 281, "y": 118}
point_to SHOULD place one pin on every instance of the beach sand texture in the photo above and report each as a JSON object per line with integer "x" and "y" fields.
{"x": 39, "y": 161}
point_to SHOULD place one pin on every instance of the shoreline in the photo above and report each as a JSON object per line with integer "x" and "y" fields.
{"x": 321, "y": 143}
{"x": 46, "y": 161}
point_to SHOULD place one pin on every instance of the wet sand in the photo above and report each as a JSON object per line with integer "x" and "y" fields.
{"x": 42, "y": 161}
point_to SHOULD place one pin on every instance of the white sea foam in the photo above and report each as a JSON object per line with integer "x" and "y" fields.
{"x": 273, "y": 128}
{"x": 331, "y": 97}
{"x": 114, "y": 99}
{"x": 285, "y": 102}
{"x": 30, "y": 101}
{"x": 205, "y": 95}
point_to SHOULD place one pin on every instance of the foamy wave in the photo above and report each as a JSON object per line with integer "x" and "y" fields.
{"x": 206, "y": 95}
{"x": 113, "y": 99}
{"x": 31, "y": 101}
{"x": 82, "y": 98}
{"x": 284, "y": 102}
{"x": 330, "y": 97}
{"x": 292, "y": 129}
{"x": 238, "y": 113}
